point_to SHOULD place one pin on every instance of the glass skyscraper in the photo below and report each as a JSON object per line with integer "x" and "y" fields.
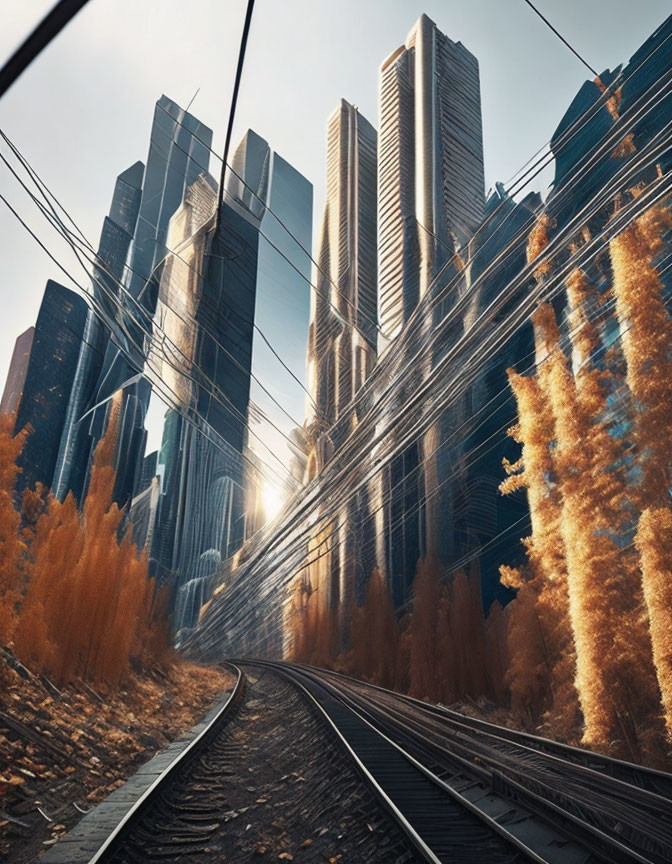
{"x": 431, "y": 193}
{"x": 267, "y": 188}
{"x": 178, "y": 154}
{"x": 54, "y": 354}
{"x": 115, "y": 240}
{"x": 227, "y": 279}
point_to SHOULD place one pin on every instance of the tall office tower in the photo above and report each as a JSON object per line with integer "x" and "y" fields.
{"x": 265, "y": 187}
{"x": 178, "y": 154}
{"x": 54, "y": 353}
{"x": 171, "y": 363}
{"x": 115, "y": 240}
{"x": 430, "y": 201}
{"x": 342, "y": 336}
{"x": 16, "y": 376}
{"x": 246, "y": 285}
{"x": 431, "y": 193}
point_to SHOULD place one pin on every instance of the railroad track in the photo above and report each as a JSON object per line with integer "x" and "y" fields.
{"x": 461, "y": 791}
{"x": 462, "y": 787}
{"x": 191, "y": 827}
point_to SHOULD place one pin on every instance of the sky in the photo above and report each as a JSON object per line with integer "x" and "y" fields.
{"x": 82, "y": 112}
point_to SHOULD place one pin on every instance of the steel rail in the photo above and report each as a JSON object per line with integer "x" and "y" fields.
{"x": 569, "y": 808}
{"x": 537, "y": 793}
{"x": 107, "y": 850}
{"x": 298, "y": 676}
{"x": 650, "y": 779}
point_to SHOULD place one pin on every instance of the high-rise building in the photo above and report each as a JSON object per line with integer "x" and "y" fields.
{"x": 115, "y": 240}
{"x": 172, "y": 363}
{"x": 343, "y": 328}
{"x": 16, "y": 376}
{"x": 342, "y": 336}
{"x": 54, "y": 354}
{"x": 179, "y": 152}
{"x": 431, "y": 192}
{"x": 228, "y": 282}
{"x": 431, "y": 199}
{"x": 263, "y": 186}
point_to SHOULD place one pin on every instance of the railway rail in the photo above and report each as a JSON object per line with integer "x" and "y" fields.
{"x": 548, "y": 801}
{"x": 461, "y": 790}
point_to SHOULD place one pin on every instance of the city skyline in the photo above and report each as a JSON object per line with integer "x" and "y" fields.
{"x": 387, "y": 34}
{"x": 407, "y": 532}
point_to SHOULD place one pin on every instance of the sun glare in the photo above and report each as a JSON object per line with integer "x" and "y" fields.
{"x": 272, "y": 499}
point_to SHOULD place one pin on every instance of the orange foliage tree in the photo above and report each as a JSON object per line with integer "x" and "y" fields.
{"x": 374, "y": 635}
{"x": 542, "y": 660}
{"x": 87, "y": 592}
{"x": 647, "y": 337}
{"x": 12, "y": 545}
{"x": 423, "y": 632}
{"x": 605, "y": 602}
{"x": 654, "y": 542}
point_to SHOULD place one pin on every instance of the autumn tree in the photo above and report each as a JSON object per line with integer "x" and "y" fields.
{"x": 467, "y": 629}
{"x": 540, "y": 644}
{"x": 375, "y": 635}
{"x": 647, "y": 336}
{"x": 654, "y": 542}
{"x": 604, "y": 600}
{"x": 12, "y": 545}
{"x": 646, "y": 328}
{"x": 423, "y": 632}
{"x": 88, "y": 590}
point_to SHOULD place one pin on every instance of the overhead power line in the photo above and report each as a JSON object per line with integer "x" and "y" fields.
{"x": 562, "y": 38}
{"x": 234, "y": 95}
{"x": 48, "y": 28}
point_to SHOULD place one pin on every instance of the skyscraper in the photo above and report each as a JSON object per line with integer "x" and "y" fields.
{"x": 265, "y": 187}
{"x": 431, "y": 193}
{"x": 18, "y": 369}
{"x": 342, "y": 336}
{"x": 178, "y": 154}
{"x": 430, "y": 201}
{"x": 115, "y": 240}
{"x": 225, "y": 284}
{"x": 54, "y": 353}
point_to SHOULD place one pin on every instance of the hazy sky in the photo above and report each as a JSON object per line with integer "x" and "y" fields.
{"x": 82, "y": 112}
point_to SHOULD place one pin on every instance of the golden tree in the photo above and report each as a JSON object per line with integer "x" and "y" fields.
{"x": 654, "y": 542}
{"x": 646, "y": 342}
{"x": 646, "y": 328}
{"x": 12, "y": 546}
{"x": 88, "y": 592}
{"x": 604, "y": 601}
{"x": 540, "y": 645}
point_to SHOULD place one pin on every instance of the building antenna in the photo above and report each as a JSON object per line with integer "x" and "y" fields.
{"x": 234, "y": 99}
{"x": 562, "y": 38}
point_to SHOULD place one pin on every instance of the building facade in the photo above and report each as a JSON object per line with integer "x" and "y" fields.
{"x": 16, "y": 375}
{"x": 75, "y": 450}
{"x": 179, "y": 152}
{"x": 43, "y": 405}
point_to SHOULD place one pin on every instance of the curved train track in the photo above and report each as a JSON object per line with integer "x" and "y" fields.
{"x": 549, "y": 801}
{"x": 462, "y": 790}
